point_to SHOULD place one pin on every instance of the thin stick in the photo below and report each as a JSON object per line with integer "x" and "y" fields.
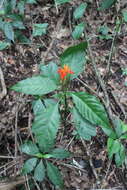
{"x": 4, "y": 89}
{"x": 101, "y": 82}
{"x": 89, "y": 88}
{"x": 8, "y": 157}
{"x": 56, "y": 7}
{"x": 111, "y": 51}
{"x": 1, "y": 3}
{"x": 38, "y": 188}
{"x": 90, "y": 160}
{"x": 16, "y": 131}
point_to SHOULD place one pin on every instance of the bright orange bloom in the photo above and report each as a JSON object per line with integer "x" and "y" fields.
{"x": 63, "y": 72}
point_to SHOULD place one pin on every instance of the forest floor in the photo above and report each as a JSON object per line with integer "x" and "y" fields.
{"x": 22, "y": 60}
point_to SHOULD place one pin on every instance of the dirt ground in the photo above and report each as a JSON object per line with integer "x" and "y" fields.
{"x": 21, "y": 61}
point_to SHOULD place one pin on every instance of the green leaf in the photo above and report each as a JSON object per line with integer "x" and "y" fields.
{"x": 124, "y": 127}
{"x": 59, "y": 2}
{"x": 104, "y": 30}
{"x": 21, "y": 38}
{"x": 45, "y": 127}
{"x": 54, "y": 175}
{"x": 79, "y": 11}
{"x": 29, "y": 148}
{"x": 84, "y": 128}
{"x": 38, "y": 107}
{"x": 18, "y": 24}
{"x": 39, "y": 29}
{"x": 113, "y": 146}
{"x": 50, "y": 71}
{"x": 21, "y": 7}
{"x": 8, "y": 30}
{"x": 120, "y": 156}
{"x": 31, "y": 1}
{"x": 106, "y": 4}
{"x": 74, "y": 57}
{"x": 2, "y": 11}
{"x": 124, "y": 15}
{"x": 29, "y": 165}
{"x": 118, "y": 127}
{"x": 13, "y": 4}
{"x": 60, "y": 153}
{"x": 92, "y": 110}
{"x": 35, "y": 86}
{"x": 78, "y": 31}
{"x": 39, "y": 172}
{"x": 4, "y": 45}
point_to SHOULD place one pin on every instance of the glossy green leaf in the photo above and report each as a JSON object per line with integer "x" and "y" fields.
{"x": 39, "y": 172}
{"x": 29, "y": 148}
{"x": 50, "y": 71}
{"x": 2, "y": 11}
{"x": 84, "y": 128}
{"x": 93, "y": 111}
{"x": 45, "y": 127}
{"x": 29, "y": 165}
{"x": 78, "y": 31}
{"x": 18, "y": 24}
{"x": 21, "y": 7}
{"x": 31, "y": 1}
{"x": 60, "y": 153}
{"x": 38, "y": 107}
{"x": 79, "y": 11}
{"x": 4, "y": 45}
{"x": 54, "y": 175}
{"x": 113, "y": 146}
{"x": 8, "y": 30}
{"x": 118, "y": 127}
{"x": 35, "y": 86}
{"x": 13, "y": 4}
{"x": 21, "y": 38}
{"x": 106, "y": 4}
{"x": 123, "y": 136}
{"x": 124, "y": 15}
{"x": 120, "y": 156}
{"x": 39, "y": 29}
{"x": 59, "y": 2}
{"x": 74, "y": 57}
{"x": 124, "y": 127}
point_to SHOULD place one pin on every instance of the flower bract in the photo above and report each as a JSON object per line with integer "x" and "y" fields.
{"x": 64, "y": 71}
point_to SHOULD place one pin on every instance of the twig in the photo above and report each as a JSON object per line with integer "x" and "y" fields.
{"x": 2, "y": 2}
{"x": 8, "y": 157}
{"x": 4, "y": 89}
{"x": 72, "y": 167}
{"x": 56, "y": 7}
{"x": 38, "y": 188}
{"x": 107, "y": 172}
{"x": 9, "y": 185}
{"x": 90, "y": 160}
{"x": 57, "y": 29}
{"x": 111, "y": 51}
{"x": 70, "y": 142}
{"x": 89, "y": 88}
{"x": 120, "y": 106}
{"x": 16, "y": 131}
{"x": 101, "y": 82}
{"x": 29, "y": 127}
{"x": 27, "y": 182}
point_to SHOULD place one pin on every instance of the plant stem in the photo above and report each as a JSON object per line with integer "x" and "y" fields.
{"x": 102, "y": 84}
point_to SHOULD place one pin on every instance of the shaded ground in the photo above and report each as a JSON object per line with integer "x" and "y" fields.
{"x": 21, "y": 61}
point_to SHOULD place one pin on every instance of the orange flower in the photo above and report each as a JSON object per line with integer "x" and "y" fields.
{"x": 63, "y": 72}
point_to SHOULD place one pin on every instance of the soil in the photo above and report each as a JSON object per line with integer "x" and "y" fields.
{"x": 21, "y": 61}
